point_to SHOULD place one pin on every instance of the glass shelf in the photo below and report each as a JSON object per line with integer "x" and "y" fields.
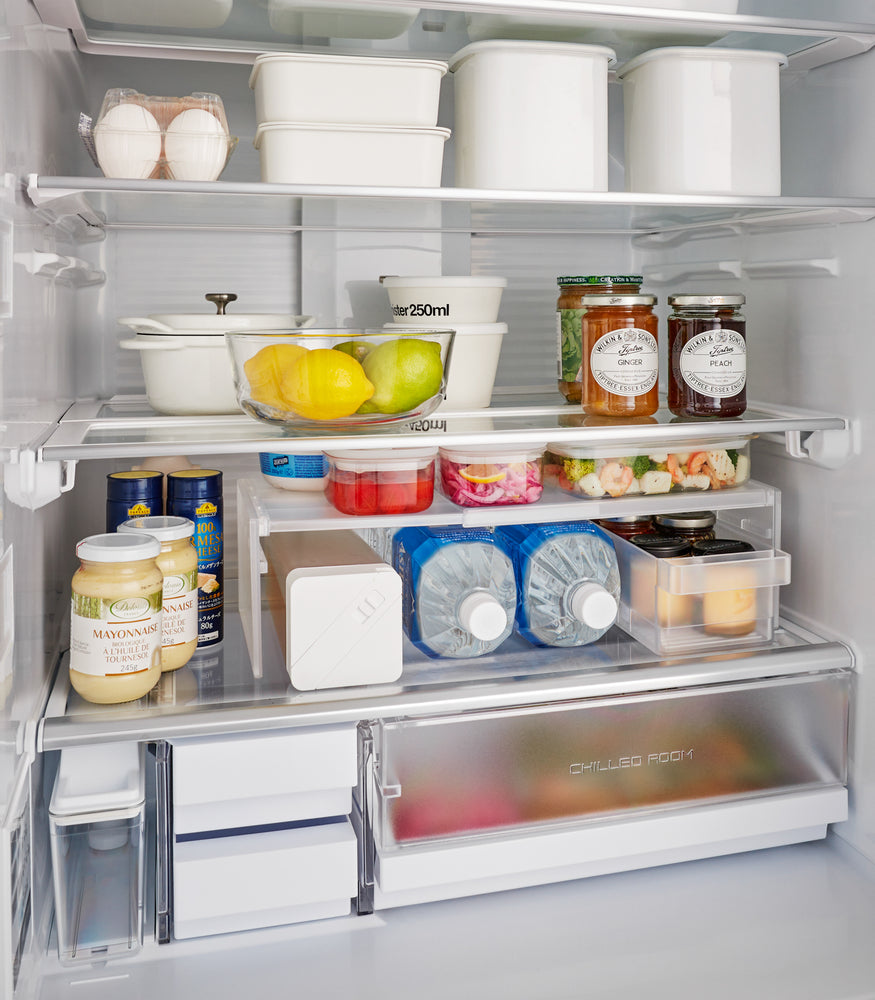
{"x": 127, "y": 427}
{"x": 216, "y": 692}
{"x": 88, "y": 205}
{"x": 811, "y": 31}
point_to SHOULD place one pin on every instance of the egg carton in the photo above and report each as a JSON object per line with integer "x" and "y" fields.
{"x": 170, "y": 138}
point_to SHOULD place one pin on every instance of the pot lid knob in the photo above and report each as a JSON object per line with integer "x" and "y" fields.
{"x": 220, "y": 300}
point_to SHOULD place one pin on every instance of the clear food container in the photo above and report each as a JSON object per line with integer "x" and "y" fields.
{"x": 697, "y": 603}
{"x": 384, "y": 481}
{"x": 486, "y": 477}
{"x": 601, "y": 471}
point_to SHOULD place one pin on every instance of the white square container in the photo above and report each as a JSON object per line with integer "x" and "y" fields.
{"x": 532, "y": 115}
{"x": 314, "y": 87}
{"x": 263, "y": 879}
{"x": 457, "y": 298}
{"x": 253, "y": 779}
{"x": 306, "y": 153}
{"x": 337, "y": 609}
{"x": 476, "y": 350}
{"x": 703, "y": 121}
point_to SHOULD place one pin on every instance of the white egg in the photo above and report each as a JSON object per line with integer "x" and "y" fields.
{"x": 128, "y": 141}
{"x": 195, "y": 146}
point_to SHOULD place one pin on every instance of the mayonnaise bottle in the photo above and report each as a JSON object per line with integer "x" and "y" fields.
{"x": 116, "y": 617}
{"x": 177, "y": 560}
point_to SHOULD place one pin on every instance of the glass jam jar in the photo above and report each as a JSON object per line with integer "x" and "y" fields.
{"x": 692, "y": 526}
{"x": 620, "y": 356}
{"x": 569, "y": 312}
{"x": 626, "y": 527}
{"x": 707, "y": 356}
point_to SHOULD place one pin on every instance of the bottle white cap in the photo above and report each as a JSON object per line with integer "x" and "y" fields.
{"x": 482, "y": 615}
{"x": 115, "y": 548}
{"x": 593, "y": 605}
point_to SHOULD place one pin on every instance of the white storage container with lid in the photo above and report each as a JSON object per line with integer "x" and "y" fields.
{"x": 96, "y": 819}
{"x": 462, "y": 298}
{"x": 532, "y": 115}
{"x": 365, "y": 90}
{"x": 703, "y": 120}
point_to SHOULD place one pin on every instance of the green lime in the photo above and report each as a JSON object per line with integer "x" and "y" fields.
{"x": 404, "y": 373}
{"x": 357, "y": 349}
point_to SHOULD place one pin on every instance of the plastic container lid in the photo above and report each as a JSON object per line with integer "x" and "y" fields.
{"x": 139, "y": 485}
{"x": 525, "y": 47}
{"x": 385, "y": 459}
{"x": 461, "y": 329}
{"x": 593, "y": 605}
{"x": 334, "y": 59}
{"x": 482, "y": 615}
{"x": 699, "y": 53}
{"x": 662, "y": 545}
{"x": 98, "y": 779}
{"x": 165, "y": 529}
{"x": 193, "y": 484}
{"x": 567, "y": 449}
{"x": 115, "y": 548}
{"x": 442, "y": 281}
{"x": 495, "y": 454}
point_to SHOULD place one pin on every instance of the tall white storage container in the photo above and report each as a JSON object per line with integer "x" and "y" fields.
{"x": 532, "y": 115}
{"x": 703, "y": 121}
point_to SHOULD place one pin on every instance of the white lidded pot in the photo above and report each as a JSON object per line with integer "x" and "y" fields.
{"x": 186, "y": 364}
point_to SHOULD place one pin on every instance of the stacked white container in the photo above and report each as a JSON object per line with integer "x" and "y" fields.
{"x": 346, "y": 119}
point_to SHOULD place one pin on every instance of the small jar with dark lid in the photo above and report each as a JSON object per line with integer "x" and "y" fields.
{"x": 693, "y": 526}
{"x": 626, "y": 527}
{"x": 569, "y": 313}
{"x": 620, "y": 356}
{"x": 707, "y": 356}
{"x": 662, "y": 546}
{"x": 719, "y": 547}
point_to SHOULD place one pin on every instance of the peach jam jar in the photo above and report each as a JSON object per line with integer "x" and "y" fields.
{"x": 620, "y": 356}
{"x": 707, "y": 356}
{"x": 569, "y": 313}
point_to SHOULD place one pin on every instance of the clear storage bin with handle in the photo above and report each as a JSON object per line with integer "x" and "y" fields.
{"x": 96, "y": 819}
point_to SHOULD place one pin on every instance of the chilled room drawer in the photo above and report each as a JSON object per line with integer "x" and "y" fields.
{"x": 253, "y": 779}
{"x": 263, "y": 879}
{"x": 497, "y": 793}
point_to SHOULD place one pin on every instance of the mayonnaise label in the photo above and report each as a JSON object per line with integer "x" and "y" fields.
{"x": 115, "y": 637}
{"x": 180, "y": 609}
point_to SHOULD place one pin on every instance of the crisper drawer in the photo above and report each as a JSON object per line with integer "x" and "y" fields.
{"x": 253, "y": 779}
{"x": 263, "y": 879}
{"x": 697, "y": 603}
{"x": 489, "y": 793}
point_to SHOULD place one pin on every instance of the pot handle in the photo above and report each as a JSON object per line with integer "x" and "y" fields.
{"x": 142, "y": 324}
{"x": 141, "y": 344}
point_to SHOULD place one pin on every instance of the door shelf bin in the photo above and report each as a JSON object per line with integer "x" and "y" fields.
{"x": 490, "y": 775}
{"x": 699, "y": 603}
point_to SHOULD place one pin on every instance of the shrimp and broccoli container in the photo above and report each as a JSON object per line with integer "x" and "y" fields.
{"x": 602, "y": 471}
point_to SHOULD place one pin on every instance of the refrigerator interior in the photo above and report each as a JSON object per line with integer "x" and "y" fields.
{"x": 798, "y": 914}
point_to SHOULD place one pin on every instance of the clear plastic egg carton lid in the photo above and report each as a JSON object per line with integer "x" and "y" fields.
{"x": 161, "y": 138}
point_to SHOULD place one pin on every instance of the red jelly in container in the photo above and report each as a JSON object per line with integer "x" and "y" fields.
{"x": 483, "y": 477}
{"x": 381, "y": 481}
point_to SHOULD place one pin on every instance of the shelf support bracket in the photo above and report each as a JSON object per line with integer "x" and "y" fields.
{"x": 830, "y": 449}
{"x": 31, "y": 484}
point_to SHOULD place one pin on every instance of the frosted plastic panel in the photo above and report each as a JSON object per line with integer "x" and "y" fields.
{"x": 459, "y": 776}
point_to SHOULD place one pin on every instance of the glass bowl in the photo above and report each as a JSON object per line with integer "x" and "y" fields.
{"x": 339, "y": 379}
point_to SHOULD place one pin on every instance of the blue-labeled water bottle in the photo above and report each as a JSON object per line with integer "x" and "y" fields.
{"x": 568, "y": 583}
{"x": 458, "y": 590}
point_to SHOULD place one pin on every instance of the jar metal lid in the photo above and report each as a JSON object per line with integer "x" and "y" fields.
{"x": 619, "y": 300}
{"x": 115, "y": 548}
{"x": 598, "y": 279}
{"x": 628, "y": 519}
{"x": 662, "y": 545}
{"x": 719, "y": 547}
{"x": 165, "y": 529}
{"x": 691, "y": 519}
{"x": 714, "y": 301}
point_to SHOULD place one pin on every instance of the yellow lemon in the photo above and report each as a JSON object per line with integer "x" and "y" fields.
{"x": 265, "y": 369}
{"x": 325, "y": 385}
{"x": 482, "y": 473}
{"x": 405, "y": 373}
